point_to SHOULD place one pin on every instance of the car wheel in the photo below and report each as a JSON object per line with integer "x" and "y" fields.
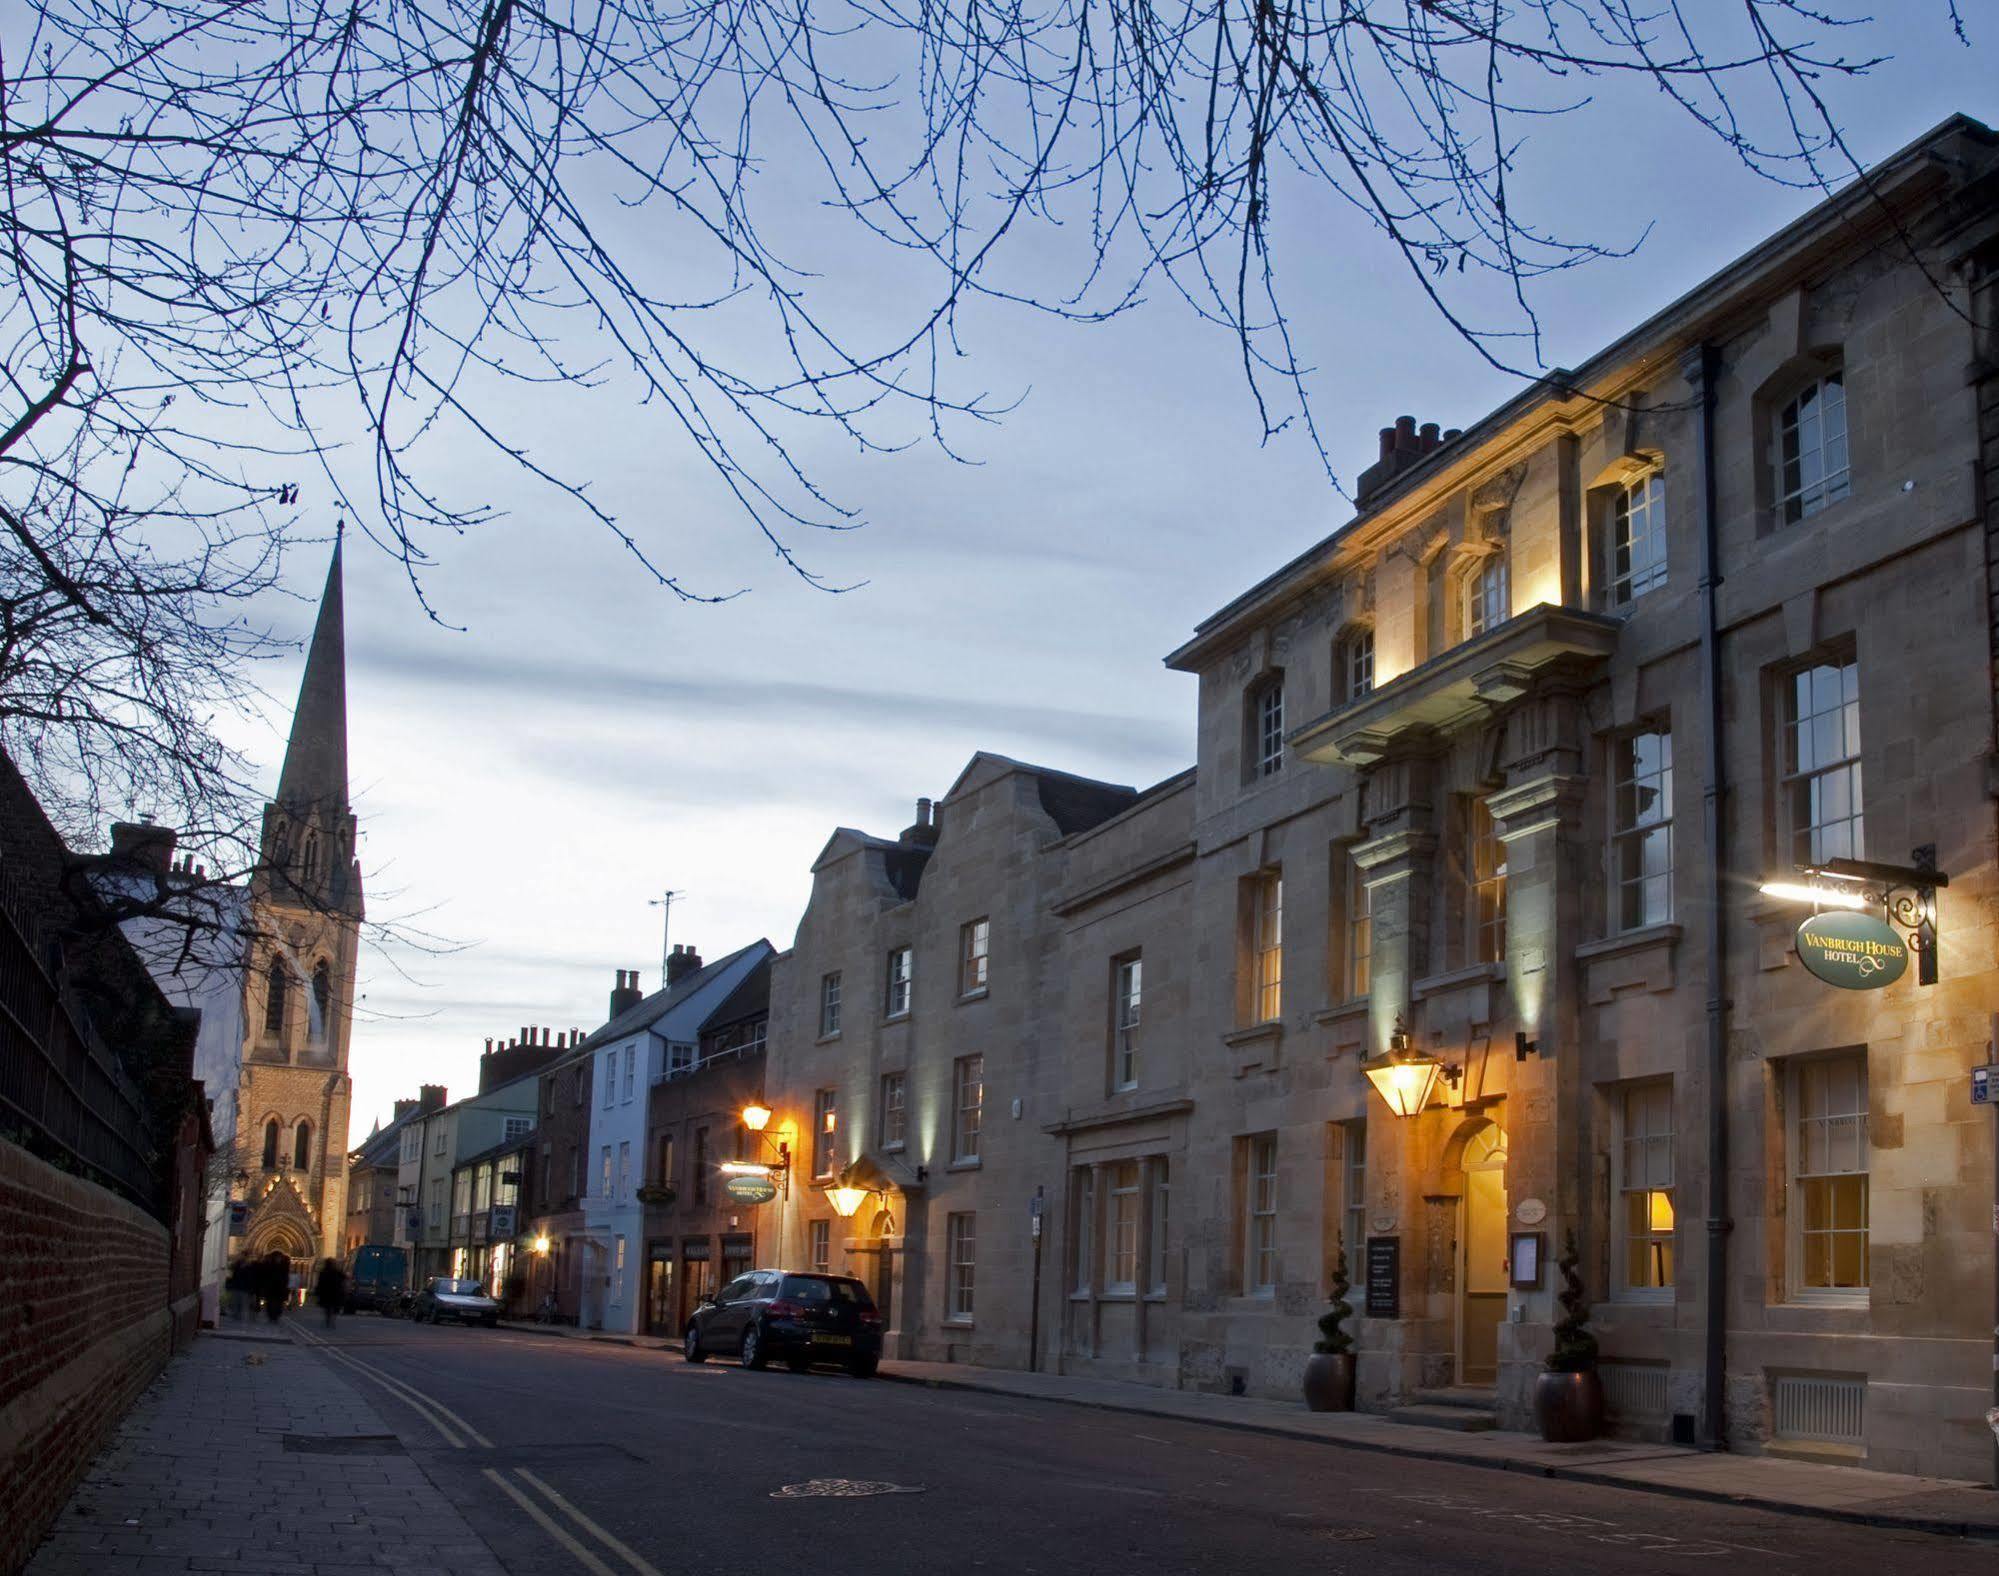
{"x": 690, "y": 1346}
{"x": 754, "y": 1355}
{"x": 864, "y": 1367}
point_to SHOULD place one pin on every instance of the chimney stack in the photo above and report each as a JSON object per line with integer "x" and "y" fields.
{"x": 922, "y": 832}
{"x": 430, "y": 1097}
{"x": 142, "y": 843}
{"x": 403, "y": 1108}
{"x": 1402, "y": 446}
{"x": 680, "y": 963}
{"x": 626, "y": 994}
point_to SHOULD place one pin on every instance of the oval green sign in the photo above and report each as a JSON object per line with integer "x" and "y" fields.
{"x": 750, "y": 1190}
{"x": 1852, "y": 951}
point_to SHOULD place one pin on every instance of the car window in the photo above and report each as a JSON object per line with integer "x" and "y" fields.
{"x": 824, "y": 1291}
{"x": 736, "y": 1290}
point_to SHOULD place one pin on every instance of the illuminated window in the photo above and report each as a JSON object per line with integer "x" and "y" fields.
{"x": 1811, "y": 450}
{"x": 1821, "y": 756}
{"x": 1645, "y": 1189}
{"x": 1484, "y": 873}
{"x": 825, "y": 1125}
{"x": 1641, "y": 854}
{"x": 974, "y": 944}
{"x": 604, "y": 1177}
{"x": 1829, "y": 1163}
{"x": 820, "y": 1248}
{"x": 1121, "y": 1228}
{"x": 968, "y": 1107}
{"x": 1127, "y": 1003}
{"x": 829, "y": 1004}
{"x": 1266, "y": 947}
{"x": 1638, "y": 538}
{"x": 1360, "y": 932}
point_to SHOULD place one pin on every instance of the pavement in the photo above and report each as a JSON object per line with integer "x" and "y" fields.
{"x": 251, "y": 1456}
{"x": 1946, "y": 1506}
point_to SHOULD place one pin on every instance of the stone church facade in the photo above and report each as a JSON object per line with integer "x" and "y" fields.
{"x": 1486, "y": 786}
{"x": 303, "y": 912}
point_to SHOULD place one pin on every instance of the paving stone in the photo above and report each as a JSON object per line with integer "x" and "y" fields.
{"x": 197, "y": 1482}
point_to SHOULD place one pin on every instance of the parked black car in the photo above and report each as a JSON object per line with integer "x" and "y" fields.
{"x": 800, "y": 1319}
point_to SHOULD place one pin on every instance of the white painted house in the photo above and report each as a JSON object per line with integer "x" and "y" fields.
{"x": 655, "y": 1039}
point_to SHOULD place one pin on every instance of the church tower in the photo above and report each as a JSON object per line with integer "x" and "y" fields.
{"x": 302, "y": 923}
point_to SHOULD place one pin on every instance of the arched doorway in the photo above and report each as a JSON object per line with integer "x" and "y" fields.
{"x": 1482, "y": 1278}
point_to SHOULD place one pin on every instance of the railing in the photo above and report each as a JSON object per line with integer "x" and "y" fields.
{"x": 58, "y": 1081}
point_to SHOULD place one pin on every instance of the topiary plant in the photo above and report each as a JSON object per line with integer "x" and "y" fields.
{"x": 1575, "y": 1347}
{"x": 1333, "y": 1339}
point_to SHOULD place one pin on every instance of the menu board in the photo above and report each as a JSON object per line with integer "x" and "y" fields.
{"x": 1384, "y": 1277}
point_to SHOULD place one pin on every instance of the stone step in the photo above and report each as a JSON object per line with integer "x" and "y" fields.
{"x": 1476, "y": 1398}
{"x": 1458, "y": 1419}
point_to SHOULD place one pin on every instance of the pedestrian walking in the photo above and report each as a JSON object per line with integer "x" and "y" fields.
{"x": 330, "y": 1291}
{"x": 276, "y": 1285}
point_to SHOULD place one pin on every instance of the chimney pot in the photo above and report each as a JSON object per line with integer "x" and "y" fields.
{"x": 1452, "y": 434}
{"x": 1387, "y": 442}
{"x": 1429, "y": 436}
{"x": 1405, "y": 434}
{"x": 923, "y": 812}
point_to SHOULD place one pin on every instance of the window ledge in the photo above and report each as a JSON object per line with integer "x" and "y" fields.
{"x": 1457, "y": 979}
{"x": 897, "y": 1147}
{"x": 896, "y": 1017}
{"x": 1355, "y": 1007}
{"x": 1629, "y": 941}
{"x": 965, "y": 1165}
{"x": 979, "y": 993}
{"x": 956, "y": 1324}
{"x": 827, "y": 1039}
{"x": 1255, "y": 1033}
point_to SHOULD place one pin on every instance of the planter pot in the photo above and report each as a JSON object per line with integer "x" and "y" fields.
{"x": 1569, "y": 1407}
{"x": 1329, "y": 1382}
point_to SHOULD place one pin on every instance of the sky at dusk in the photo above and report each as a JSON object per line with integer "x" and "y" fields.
{"x": 582, "y": 740}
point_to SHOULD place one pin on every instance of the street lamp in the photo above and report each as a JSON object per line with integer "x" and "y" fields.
{"x": 847, "y": 1198}
{"x": 1406, "y": 1078}
{"x": 756, "y": 1116}
{"x": 541, "y": 1245}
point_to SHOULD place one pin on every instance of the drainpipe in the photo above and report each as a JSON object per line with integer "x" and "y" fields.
{"x": 1700, "y": 368}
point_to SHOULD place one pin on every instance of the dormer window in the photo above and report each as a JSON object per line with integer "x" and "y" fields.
{"x": 1266, "y": 727}
{"x": 1487, "y": 594}
{"x": 1812, "y": 466}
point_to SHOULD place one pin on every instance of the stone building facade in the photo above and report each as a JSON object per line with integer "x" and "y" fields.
{"x": 1489, "y": 780}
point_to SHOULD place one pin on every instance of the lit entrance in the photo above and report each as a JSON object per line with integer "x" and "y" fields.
{"x": 1482, "y": 1256}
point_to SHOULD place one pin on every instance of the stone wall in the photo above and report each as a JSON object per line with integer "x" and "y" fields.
{"x": 86, "y": 1320}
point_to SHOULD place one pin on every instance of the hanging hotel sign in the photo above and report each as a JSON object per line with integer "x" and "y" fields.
{"x": 1852, "y": 950}
{"x": 750, "y": 1190}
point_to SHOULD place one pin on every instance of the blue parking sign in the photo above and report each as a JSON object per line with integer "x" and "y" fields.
{"x": 1981, "y": 1086}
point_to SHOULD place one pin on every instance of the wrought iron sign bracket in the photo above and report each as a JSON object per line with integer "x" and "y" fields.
{"x": 1907, "y": 895}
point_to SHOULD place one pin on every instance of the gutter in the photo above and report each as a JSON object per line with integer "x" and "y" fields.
{"x": 1699, "y": 369}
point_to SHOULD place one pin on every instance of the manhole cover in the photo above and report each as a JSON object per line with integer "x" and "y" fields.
{"x": 840, "y": 1488}
{"x": 344, "y": 1444}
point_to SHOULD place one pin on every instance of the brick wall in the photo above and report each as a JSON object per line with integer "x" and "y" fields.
{"x": 87, "y": 1318}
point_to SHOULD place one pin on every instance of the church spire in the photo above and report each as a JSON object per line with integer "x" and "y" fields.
{"x": 315, "y": 770}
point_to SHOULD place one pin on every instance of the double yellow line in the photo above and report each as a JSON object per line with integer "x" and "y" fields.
{"x": 457, "y": 1433}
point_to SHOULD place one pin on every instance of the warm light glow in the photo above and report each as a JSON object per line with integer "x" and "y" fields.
{"x": 1817, "y": 896}
{"x": 845, "y": 1200}
{"x": 743, "y": 1168}
{"x": 1662, "y": 1211}
{"x": 541, "y": 1244}
{"x": 756, "y": 1116}
{"x": 1405, "y": 1082}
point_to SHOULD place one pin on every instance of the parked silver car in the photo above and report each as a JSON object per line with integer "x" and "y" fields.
{"x": 465, "y": 1300}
